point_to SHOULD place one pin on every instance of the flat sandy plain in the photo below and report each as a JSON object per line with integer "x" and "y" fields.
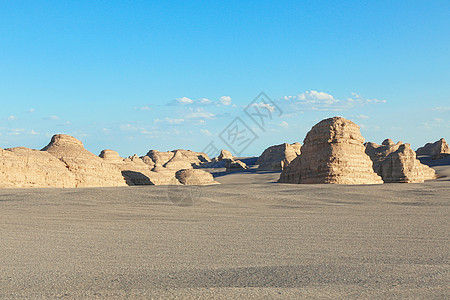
{"x": 247, "y": 238}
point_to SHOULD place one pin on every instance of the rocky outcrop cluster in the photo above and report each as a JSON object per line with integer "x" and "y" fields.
{"x": 224, "y": 155}
{"x": 397, "y": 162}
{"x": 65, "y": 163}
{"x": 276, "y": 158}
{"x": 332, "y": 152}
{"x": 436, "y": 150}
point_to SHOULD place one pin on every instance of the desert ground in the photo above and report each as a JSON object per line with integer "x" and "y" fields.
{"x": 249, "y": 238}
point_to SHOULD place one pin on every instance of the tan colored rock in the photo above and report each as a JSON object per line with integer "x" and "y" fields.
{"x": 332, "y": 152}
{"x": 235, "y": 165}
{"x": 378, "y": 153}
{"x": 178, "y": 162}
{"x": 402, "y": 166}
{"x": 28, "y": 168}
{"x": 162, "y": 158}
{"x": 110, "y": 155}
{"x": 89, "y": 169}
{"x": 397, "y": 162}
{"x": 224, "y": 154}
{"x": 195, "y": 177}
{"x": 435, "y": 150}
{"x": 275, "y": 158}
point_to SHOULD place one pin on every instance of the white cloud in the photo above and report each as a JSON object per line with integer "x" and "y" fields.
{"x": 267, "y": 106}
{"x": 361, "y": 117}
{"x": 184, "y": 100}
{"x": 206, "y": 132}
{"x": 128, "y": 127}
{"x": 12, "y": 118}
{"x": 313, "y": 97}
{"x": 200, "y": 113}
{"x": 225, "y": 100}
{"x": 32, "y": 132}
{"x": 31, "y": 110}
{"x": 204, "y": 101}
{"x": 321, "y": 101}
{"x": 16, "y": 131}
{"x": 53, "y": 118}
{"x": 169, "y": 121}
{"x": 441, "y": 108}
{"x": 143, "y": 108}
{"x": 284, "y": 124}
{"x": 358, "y": 99}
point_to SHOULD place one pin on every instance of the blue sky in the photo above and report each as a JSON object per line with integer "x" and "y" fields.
{"x": 139, "y": 75}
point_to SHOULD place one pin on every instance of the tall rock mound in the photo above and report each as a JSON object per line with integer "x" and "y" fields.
{"x": 397, "y": 162}
{"x": 436, "y": 150}
{"x": 28, "y": 168}
{"x": 332, "y": 152}
{"x": 89, "y": 169}
{"x": 276, "y": 158}
{"x": 195, "y": 177}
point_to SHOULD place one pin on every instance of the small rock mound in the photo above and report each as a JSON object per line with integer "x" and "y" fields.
{"x": 436, "y": 150}
{"x": 332, "y": 152}
{"x": 276, "y": 158}
{"x": 235, "y": 165}
{"x": 224, "y": 154}
{"x": 195, "y": 177}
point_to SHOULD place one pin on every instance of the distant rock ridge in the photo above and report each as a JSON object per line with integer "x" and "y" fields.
{"x": 332, "y": 152}
{"x": 276, "y": 158}
{"x": 397, "y": 162}
{"x": 436, "y": 150}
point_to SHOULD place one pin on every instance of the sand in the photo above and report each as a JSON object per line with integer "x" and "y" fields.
{"x": 235, "y": 240}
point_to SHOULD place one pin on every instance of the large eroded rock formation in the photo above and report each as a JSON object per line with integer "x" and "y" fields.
{"x": 332, "y": 152}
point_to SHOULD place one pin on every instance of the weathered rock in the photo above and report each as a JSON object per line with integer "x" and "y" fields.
{"x": 224, "y": 154}
{"x": 402, "y": 166}
{"x": 178, "y": 162}
{"x": 435, "y": 150}
{"x": 397, "y": 162}
{"x": 28, "y": 168}
{"x": 235, "y": 165}
{"x": 89, "y": 169}
{"x": 378, "y": 153}
{"x": 195, "y": 177}
{"x": 275, "y": 158}
{"x": 191, "y": 157}
{"x": 110, "y": 155}
{"x": 332, "y": 152}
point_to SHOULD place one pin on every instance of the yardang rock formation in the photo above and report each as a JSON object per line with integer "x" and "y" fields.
{"x": 276, "y": 158}
{"x": 436, "y": 150}
{"x": 397, "y": 162}
{"x": 332, "y": 152}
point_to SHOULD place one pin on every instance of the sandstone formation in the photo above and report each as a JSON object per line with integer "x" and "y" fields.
{"x": 235, "y": 165}
{"x": 133, "y": 168}
{"x": 436, "y": 150}
{"x": 23, "y": 167}
{"x": 276, "y": 158}
{"x": 332, "y": 152}
{"x": 89, "y": 169}
{"x": 195, "y": 177}
{"x": 224, "y": 154}
{"x": 162, "y": 158}
{"x": 397, "y": 162}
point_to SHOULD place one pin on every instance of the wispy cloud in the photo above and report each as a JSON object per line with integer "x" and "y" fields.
{"x": 52, "y": 118}
{"x": 284, "y": 124}
{"x": 225, "y": 100}
{"x": 441, "y": 108}
{"x": 185, "y": 101}
{"x": 322, "y": 101}
{"x": 200, "y": 113}
{"x": 206, "y": 132}
{"x": 12, "y": 118}
{"x": 169, "y": 121}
